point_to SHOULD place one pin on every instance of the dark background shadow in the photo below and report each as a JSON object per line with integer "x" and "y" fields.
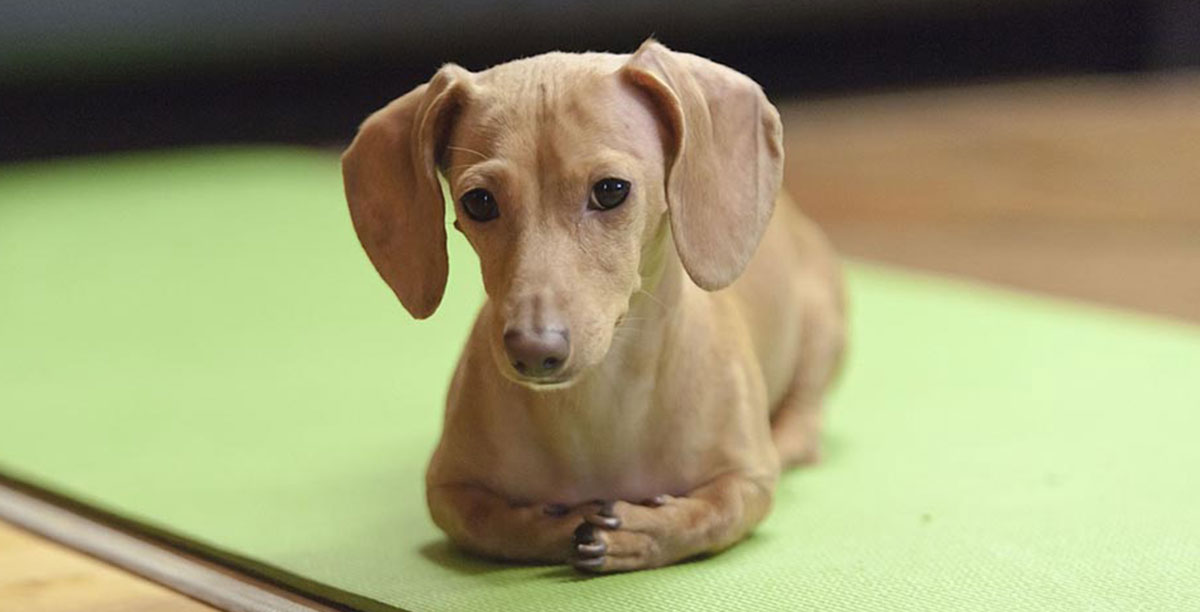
{"x": 116, "y": 75}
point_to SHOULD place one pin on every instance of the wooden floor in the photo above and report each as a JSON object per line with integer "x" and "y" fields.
{"x": 40, "y": 576}
{"x": 1084, "y": 188}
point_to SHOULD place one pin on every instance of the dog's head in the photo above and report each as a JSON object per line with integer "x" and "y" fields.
{"x": 564, "y": 170}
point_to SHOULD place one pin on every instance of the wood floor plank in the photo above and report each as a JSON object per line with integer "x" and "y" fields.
{"x": 38, "y": 575}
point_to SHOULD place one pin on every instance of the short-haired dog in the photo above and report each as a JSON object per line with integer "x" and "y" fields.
{"x": 661, "y": 322}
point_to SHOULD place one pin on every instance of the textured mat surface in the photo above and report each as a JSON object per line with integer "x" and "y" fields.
{"x": 195, "y": 342}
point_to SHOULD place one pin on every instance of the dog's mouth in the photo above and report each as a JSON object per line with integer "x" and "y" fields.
{"x": 541, "y": 383}
{"x": 549, "y": 385}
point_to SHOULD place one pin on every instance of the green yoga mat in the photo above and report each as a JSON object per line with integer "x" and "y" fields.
{"x": 195, "y": 342}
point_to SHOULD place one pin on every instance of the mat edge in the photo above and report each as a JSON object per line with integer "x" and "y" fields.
{"x": 169, "y": 559}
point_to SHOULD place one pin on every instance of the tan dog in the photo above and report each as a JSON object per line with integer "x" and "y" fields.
{"x": 610, "y": 199}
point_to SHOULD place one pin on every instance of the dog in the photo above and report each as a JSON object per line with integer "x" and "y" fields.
{"x": 661, "y": 322}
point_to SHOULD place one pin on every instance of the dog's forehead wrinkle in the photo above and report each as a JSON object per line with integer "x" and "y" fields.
{"x": 560, "y": 132}
{"x": 546, "y": 85}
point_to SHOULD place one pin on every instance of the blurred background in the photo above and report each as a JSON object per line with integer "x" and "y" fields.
{"x": 82, "y": 77}
{"x": 1050, "y": 144}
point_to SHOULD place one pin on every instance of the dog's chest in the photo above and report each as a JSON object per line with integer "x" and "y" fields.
{"x": 564, "y": 458}
{"x": 539, "y": 476}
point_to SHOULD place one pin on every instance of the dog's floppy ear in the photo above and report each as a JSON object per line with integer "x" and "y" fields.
{"x": 390, "y": 175}
{"x": 725, "y": 158}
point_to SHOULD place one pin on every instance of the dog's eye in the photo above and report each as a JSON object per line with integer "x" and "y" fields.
{"x": 480, "y": 205}
{"x": 608, "y": 193}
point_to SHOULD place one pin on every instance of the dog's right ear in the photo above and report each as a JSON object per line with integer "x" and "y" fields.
{"x": 390, "y": 176}
{"x": 726, "y": 158}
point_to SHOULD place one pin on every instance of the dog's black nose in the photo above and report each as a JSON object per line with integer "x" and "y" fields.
{"x": 537, "y": 354}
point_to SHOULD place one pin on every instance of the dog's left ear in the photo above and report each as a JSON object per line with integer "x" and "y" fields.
{"x": 390, "y": 175}
{"x": 725, "y": 158}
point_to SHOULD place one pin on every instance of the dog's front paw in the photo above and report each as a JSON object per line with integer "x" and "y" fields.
{"x": 621, "y": 537}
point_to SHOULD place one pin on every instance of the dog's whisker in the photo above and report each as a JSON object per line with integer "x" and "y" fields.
{"x": 631, "y": 334}
{"x": 652, "y": 298}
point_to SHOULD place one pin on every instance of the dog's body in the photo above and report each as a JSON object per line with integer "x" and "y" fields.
{"x": 675, "y": 406}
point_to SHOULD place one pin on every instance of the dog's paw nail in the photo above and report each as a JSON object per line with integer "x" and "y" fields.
{"x": 588, "y": 565}
{"x": 605, "y": 516}
{"x": 610, "y": 522}
{"x": 555, "y": 510}
{"x": 587, "y": 552}
{"x": 591, "y": 550}
{"x": 606, "y": 522}
{"x": 585, "y": 533}
{"x": 656, "y": 501}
